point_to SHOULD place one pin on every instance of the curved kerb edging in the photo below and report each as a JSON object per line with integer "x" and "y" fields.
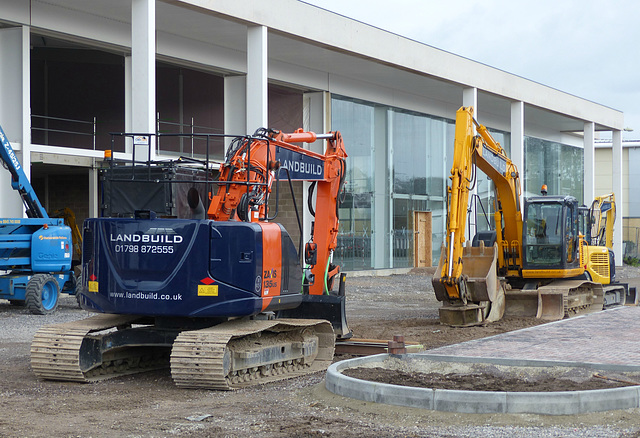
{"x": 476, "y": 402}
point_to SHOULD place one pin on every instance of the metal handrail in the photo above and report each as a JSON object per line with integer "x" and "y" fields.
{"x": 192, "y": 127}
{"x": 63, "y": 119}
{"x": 47, "y": 130}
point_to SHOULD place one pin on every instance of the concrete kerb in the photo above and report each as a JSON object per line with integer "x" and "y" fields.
{"x": 545, "y": 403}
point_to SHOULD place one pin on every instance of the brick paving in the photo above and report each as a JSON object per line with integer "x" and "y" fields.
{"x": 608, "y": 337}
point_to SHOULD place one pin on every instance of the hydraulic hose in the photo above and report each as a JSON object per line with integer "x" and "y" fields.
{"x": 326, "y": 278}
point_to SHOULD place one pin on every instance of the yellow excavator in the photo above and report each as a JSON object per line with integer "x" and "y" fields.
{"x": 536, "y": 262}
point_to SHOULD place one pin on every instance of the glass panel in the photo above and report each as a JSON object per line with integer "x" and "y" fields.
{"x": 355, "y": 121}
{"x": 559, "y": 166}
{"x": 420, "y": 146}
{"x": 438, "y": 205}
{"x": 409, "y": 142}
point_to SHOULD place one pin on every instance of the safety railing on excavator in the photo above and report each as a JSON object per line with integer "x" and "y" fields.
{"x": 141, "y": 167}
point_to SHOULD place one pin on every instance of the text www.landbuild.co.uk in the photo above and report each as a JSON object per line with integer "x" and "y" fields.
{"x": 146, "y": 296}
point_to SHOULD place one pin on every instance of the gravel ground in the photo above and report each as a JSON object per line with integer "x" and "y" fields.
{"x": 149, "y": 405}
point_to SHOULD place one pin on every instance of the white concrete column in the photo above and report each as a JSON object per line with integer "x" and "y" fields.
{"x": 316, "y": 117}
{"x": 15, "y": 111}
{"x": 235, "y": 107}
{"x": 257, "y": 83}
{"x": 382, "y": 210}
{"x": 517, "y": 142}
{"x": 128, "y": 96}
{"x": 26, "y": 99}
{"x": 589, "y": 163}
{"x": 470, "y": 98}
{"x": 617, "y": 190}
{"x": 143, "y": 72}
{"x": 94, "y": 198}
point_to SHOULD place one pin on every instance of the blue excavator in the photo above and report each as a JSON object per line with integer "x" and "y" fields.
{"x": 221, "y": 298}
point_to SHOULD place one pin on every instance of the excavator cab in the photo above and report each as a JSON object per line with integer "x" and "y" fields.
{"x": 551, "y": 240}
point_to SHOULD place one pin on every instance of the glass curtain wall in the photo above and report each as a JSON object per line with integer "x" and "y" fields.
{"x": 418, "y": 144}
{"x": 355, "y": 121}
{"x": 559, "y": 166}
{"x": 397, "y": 165}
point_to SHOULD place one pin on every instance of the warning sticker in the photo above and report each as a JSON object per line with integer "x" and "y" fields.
{"x": 93, "y": 286}
{"x": 205, "y": 290}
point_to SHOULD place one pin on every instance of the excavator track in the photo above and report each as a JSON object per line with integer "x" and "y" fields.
{"x": 242, "y": 353}
{"x": 230, "y": 355}
{"x": 56, "y": 349}
{"x": 60, "y": 351}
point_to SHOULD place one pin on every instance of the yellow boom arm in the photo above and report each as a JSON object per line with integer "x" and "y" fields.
{"x": 482, "y": 152}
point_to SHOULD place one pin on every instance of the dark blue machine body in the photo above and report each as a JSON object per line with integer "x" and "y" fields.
{"x": 186, "y": 268}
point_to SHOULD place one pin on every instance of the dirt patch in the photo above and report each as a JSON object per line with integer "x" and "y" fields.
{"x": 150, "y": 405}
{"x": 429, "y": 333}
{"x": 478, "y": 382}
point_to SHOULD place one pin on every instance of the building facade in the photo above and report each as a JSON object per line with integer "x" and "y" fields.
{"x": 74, "y": 70}
{"x": 630, "y": 178}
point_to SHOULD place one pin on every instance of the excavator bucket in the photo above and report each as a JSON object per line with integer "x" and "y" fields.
{"x": 522, "y": 303}
{"x": 550, "y": 305}
{"x": 485, "y": 293}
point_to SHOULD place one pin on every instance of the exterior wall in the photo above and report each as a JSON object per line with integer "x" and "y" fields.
{"x": 203, "y": 71}
{"x": 631, "y": 203}
{"x": 603, "y": 181}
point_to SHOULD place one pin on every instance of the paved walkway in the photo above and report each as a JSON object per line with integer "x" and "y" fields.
{"x": 608, "y": 337}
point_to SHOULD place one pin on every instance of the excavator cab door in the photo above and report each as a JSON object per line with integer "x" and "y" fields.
{"x": 550, "y": 238}
{"x": 584, "y": 226}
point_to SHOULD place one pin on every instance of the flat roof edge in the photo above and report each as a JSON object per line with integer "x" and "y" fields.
{"x": 367, "y": 41}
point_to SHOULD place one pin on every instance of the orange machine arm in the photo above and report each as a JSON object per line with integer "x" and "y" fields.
{"x": 483, "y": 152}
{"x": 247, "y": 176}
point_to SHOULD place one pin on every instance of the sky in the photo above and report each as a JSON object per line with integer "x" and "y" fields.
{"x": 588, "y": 48}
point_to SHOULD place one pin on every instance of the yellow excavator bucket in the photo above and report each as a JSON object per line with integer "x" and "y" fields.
{"x": 483, "y": 293}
